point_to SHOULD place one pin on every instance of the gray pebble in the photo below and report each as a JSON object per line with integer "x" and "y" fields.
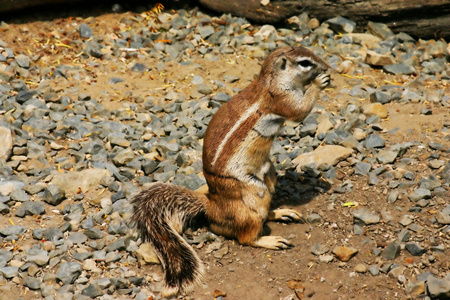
{"x": 112, "y": 257}
{"x": 391, "y": 252}
{"x": 386, "y": 156}
{"x": 68, "y": 272}
{"x": 53, "y": 194}
{"x": 419, "y": 194}
{"x": 53, "y": 234}
{"x": 32, "y": 283}
{"x": 314, "y": 218}
{"x": 38, "y": 234}
{"x": 23, "y": 61}
{"x": 94, "y": 233}
{"x": 93, "y": 290}
{"x": 85, "y": 31}
{"x": 77, "y": 238}
{"x": 415, "y": 249}
{"x": 39, "y": 257}
{"x": 341, "y": 25}
{"x": 438, "y": 288}
{"x": 374, "y": 270}
{"x": 380, "y": 97}
{"x": 365, "y": 217}
{"x": 119, "y": 244}
{"x": 374, "y": 141}
{"x": 30, "y": 208}
{"x": 13, "y": 230}
{"x": 404, "y": 235}
{"x": 392, "y": 196}
{"x": 426, "y": 111}
{"x": 400, "y": 69}
{"x": 9, "y": 272}
{"x": 362, "y": 168}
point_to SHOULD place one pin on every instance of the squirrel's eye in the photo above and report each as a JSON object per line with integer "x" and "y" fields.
{"x": 305, "y": 63}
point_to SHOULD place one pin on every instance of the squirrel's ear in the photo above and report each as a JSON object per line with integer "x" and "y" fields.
{"x": 281, "y": 63}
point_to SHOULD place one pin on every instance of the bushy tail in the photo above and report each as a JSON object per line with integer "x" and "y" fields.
{"x": 161, "y": 213}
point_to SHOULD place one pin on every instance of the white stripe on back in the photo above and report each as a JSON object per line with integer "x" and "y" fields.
{"x": 251, "y": 110}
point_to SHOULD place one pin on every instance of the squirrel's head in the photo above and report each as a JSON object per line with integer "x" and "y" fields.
{"x": 292, "y": 68}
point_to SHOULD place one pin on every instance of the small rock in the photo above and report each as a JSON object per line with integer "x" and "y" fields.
{"x": 341, "y": 25}
{"x": 219, "y": 254}
{"x": 146, "y": 254}
{"x": 313, "y": 218}
{"x": 374, "y": 270}
{"x": 376, "y": 109}
{"x": 23, "y": 61}
{"x": 68, "y": 272}
{"x": 327, "y": 155}
{"x": 13, "y": 230}
{"x": 374, "y": 141}
{"x": 9, "y": 272}
{"x": 415, "y": 249}
{"x": 400, "y": 69}
{"x": 93, "y": 290}
{"x": 124, "y": 157}
{"x": 419, "y": 194}
{"x": 436, "y": 163}
{"x": 32, "y": 283}
{"x": 438, "y": 288}
{"x": 415, "y": 288}
{"x": 404, "y": 235}
{"x": 319, "y": 249}
{"x": 426, "y": 111}
{"x": 266, "y": 31}
{"x": 39, "y": 257}
{"x": 363, "y": 216}
{"x": 6, "y": 144}
{"x": 77, "y": 238}
{"x": 53, "y": 194}
{"x": 391, "y": 251}
{"x": 392, "y": 196}
{"x": 386, "y": 156}
{"x": 344, "y": 253}
{"x": 406, "y": 220}
{"x": 362, "y": 168}
{"x": 379, "y": 30}
{"x": 326, "y": 258}
{"x": 375, "y": 59}
{"x": 397, "y": 271}
{"x": 85, "y": 180}
{"x": 360, "y": 268}
{"x": 85, "y": 31}
{"x": 230, "y": 78}
{"x": 31, "y": 208}
{"x": 94, "y": 233}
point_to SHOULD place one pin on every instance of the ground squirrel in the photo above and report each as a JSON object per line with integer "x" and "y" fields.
{"x": 240, "y": 175}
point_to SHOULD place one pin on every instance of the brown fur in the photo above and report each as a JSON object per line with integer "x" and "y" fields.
{"x": 240, "y": 176}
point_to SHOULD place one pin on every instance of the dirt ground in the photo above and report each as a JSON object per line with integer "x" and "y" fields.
{"x": 245, "y": 272}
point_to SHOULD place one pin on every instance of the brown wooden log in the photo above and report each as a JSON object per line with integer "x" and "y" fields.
{"x": 419, "y": 18}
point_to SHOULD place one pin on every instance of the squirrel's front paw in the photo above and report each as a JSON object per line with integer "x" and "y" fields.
{"x": 323, "y": 80}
